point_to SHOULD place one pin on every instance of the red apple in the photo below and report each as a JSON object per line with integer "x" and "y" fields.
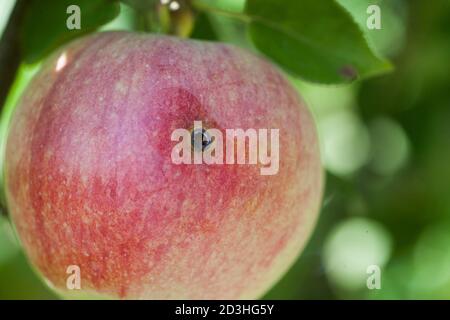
{"x": 91, "y": 183}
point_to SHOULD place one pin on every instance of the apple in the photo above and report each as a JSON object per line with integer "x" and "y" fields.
{"x": 92, "y": 187}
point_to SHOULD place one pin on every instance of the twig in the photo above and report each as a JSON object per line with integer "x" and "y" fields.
{"x": 10, "y": 58}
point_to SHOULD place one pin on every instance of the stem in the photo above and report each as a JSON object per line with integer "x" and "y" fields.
{"x": 10, "y": 58}
{"x": 144, "y": 11}
{"x": 145, "y": 21}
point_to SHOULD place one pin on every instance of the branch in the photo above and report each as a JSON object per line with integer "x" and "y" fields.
{"x": 10, "y": 58}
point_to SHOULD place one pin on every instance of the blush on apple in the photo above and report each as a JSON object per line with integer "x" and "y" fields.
{"x": 90, "y": 181}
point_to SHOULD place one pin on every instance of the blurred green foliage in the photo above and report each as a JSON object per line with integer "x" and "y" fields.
{"x": 386, "y": 148}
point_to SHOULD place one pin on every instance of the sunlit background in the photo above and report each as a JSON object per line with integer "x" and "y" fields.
{"x": 386, "y": 148}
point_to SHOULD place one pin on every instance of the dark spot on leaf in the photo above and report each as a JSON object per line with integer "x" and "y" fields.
{"x": 348, "y": 72}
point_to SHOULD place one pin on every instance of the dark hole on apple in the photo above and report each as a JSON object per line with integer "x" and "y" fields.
{"x": 200, "y": 139}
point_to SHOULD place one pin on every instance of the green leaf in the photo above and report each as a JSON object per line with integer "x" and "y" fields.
{"x": 317, "y": 40}
{"x": 391, "y": 36}
{"x": 45, "y": 28}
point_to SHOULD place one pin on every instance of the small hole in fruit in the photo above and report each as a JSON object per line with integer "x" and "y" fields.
{"x": 200, "y": 139}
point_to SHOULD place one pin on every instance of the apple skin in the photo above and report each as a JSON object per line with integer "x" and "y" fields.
{"x": 90, "y": 181}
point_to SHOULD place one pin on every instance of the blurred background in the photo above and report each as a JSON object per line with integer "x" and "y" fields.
{"x": 386, "y": 149}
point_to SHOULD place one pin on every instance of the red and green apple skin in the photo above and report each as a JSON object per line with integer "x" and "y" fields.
{"x": 90, "y": 181}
